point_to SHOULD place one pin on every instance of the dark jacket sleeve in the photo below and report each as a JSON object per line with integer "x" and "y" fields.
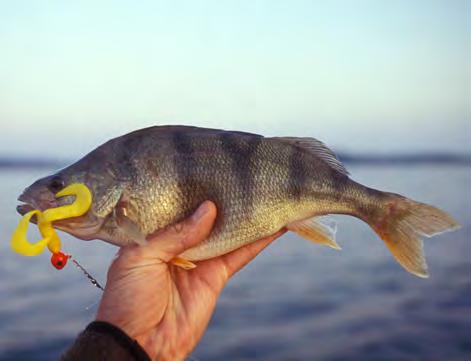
{"x": 102, "y": 341}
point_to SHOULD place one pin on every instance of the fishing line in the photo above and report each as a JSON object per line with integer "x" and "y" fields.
{"x": 88, "y": 275}
{"x": 89, "y": 307}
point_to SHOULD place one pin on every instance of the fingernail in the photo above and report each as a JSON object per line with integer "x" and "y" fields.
{"x": 200, "y": 212}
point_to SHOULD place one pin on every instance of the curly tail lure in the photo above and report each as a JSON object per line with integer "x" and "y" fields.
{"x": 80, "y": 206}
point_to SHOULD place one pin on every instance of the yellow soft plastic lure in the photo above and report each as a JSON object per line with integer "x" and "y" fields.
{"x": 81, "y": 205}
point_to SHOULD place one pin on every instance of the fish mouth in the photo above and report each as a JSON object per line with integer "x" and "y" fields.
{"x": 24, "y": 208}
{"x": 29, "y": 204}
{"x": 75, "y": 227}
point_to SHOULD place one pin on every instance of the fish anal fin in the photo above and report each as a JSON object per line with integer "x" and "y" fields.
{"x": 182, "y": 263}
{"x": 317, "y": 230}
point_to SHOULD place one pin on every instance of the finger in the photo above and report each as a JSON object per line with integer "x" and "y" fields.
{"x": 175, "y": 239}
{"x": 239, "y": 258}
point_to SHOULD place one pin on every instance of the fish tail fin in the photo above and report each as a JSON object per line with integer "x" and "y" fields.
{"x": 402, "y": 223}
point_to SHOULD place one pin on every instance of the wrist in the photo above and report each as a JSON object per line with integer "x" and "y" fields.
{"x": 132, "y": 347}
{"x": 161, "y": 348}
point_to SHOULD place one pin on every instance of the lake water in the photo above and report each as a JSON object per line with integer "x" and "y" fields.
{"x": 296, "y": 301}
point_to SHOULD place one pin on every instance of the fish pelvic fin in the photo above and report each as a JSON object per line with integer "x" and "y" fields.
{"x": 320, "y": 230}
{"x": 182, "y": 263}
{"x": 402, "y": 226}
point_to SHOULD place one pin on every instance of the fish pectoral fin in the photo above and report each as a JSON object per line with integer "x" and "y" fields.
{"x": 317, "y": 229}
{"x": 129, "y": 227}
{"x": 182, "y": 263}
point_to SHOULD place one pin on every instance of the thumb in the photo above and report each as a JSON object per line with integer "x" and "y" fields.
{"x": 177, "y": 238}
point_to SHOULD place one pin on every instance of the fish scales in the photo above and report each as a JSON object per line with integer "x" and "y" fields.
{"x": 154, "y": 177}
{"x": 232, "y": 184}
{"x": 223, "y": 168}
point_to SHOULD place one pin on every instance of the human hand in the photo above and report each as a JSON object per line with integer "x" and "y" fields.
{"x": 166, "y": 308}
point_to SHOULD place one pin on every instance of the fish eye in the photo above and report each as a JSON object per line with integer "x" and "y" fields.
{"x": 56, "y": 184}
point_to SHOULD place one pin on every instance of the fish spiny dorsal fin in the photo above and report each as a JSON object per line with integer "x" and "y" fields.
{"x": 318, "y": 230}
{"x": 317, "y": 148}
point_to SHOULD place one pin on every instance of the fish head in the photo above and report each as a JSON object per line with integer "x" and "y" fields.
{"x": 41, "y": 195}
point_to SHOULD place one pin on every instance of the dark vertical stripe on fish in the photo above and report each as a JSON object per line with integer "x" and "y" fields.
{"x": 185, "y": 164}
{"x": 126, "y": 167}
{"x": 240, "y": 150}
{"x": 182, "y": 143}
{"x": 298, "y": 176}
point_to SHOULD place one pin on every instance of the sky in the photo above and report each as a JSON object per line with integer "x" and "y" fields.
{"x": 363, "y": 76}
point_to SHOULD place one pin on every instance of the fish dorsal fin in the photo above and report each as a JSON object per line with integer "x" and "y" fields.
{"x": 318, "y": 230}
{"x": 319, "y": 149}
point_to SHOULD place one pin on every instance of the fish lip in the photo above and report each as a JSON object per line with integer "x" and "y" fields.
{"x": 30, "y": 204}
{"x": 27, "y": 206}
{"x": 25, "y": 199}
{"x": 24, "y": 208}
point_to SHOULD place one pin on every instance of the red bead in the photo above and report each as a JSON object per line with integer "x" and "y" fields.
{"x": 59, "y": 260}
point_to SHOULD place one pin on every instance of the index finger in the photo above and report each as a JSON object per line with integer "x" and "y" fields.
{"x": 175, "y": 239}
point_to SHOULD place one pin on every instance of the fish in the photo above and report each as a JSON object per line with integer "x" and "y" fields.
{"x": 155, "y": 177}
